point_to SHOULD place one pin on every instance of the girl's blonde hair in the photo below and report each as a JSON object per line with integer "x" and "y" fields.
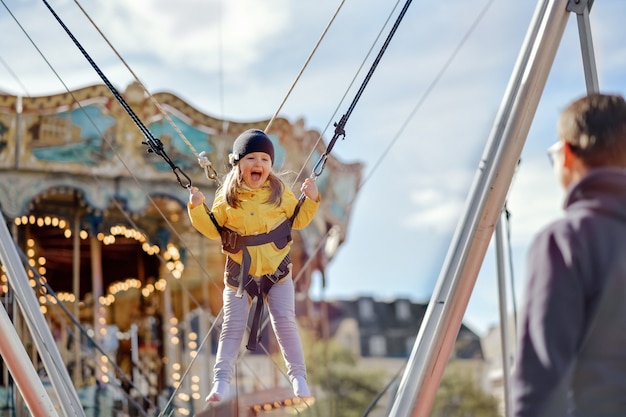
{"x": 234, "y": 180}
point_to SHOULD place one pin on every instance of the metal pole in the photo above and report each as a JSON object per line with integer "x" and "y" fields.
{"x": 504, "y": 321}
{"x": 36, "y": 322}
{"x": 19, "y": 364}
{"x": 99, "y": 313}
{"x": 134, "y": 354}
{"x": 168, "y": 347}
{"x": 582, "y": 9}
{"x": 78, "y": 367}
{"x": 447, "y": 305}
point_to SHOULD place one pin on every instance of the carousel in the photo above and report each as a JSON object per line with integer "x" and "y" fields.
{"x": 130, "y": 291}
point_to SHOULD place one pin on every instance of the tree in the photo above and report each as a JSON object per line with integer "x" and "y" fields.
{"x": 458, "y": 396}
{"x": 341, "y": 387}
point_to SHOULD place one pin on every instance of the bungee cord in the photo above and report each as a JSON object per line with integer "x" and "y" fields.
{"x": 154, "y": 145}
{"x": 306, "y": 63}
{"x": 345, "y": 94}
{"x": 432, "y": 85}
{"x": 340, "y": 126}
{"x": 13, "y": 74}
{"x": 205, "y": 163}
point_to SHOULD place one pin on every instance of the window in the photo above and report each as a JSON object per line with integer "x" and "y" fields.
{"x": 378, "y": 346}
{"x": 403, "y": 310}
{"x": 366, "y": 309}
{"x": 410, "y": 343}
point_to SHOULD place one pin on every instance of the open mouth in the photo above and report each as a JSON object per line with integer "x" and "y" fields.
{"x": 255, "y": 176}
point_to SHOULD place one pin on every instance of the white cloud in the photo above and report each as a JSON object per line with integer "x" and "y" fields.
{"x": 535, "y": 199}
{"x": 437, "y": 202}
{"x": 187, "y": 34}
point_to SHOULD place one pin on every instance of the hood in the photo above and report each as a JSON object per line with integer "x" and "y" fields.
{"x": 602, "y": 190}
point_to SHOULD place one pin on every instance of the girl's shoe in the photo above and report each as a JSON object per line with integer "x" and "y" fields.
{"x": 218, "y": 392}
{"x": 300, "y": 387}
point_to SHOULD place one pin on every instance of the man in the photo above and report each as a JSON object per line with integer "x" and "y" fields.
{"x": 571, "y": 356}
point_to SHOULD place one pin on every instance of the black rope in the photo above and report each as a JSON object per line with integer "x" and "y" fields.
{"x": 154, "y": 144}
{"x": 340, "y": 126}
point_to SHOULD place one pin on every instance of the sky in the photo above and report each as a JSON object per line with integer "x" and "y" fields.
{"x": 419, "y": 128}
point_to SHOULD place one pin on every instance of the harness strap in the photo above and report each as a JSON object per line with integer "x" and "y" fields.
{"x": 212, "y": 217}
{"x": 254, "y": 338}
{"x": 233, "y": 242}
{"x": 256, "y": 288}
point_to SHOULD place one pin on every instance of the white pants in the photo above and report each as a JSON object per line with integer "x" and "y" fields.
{"x": 281, "y": 306}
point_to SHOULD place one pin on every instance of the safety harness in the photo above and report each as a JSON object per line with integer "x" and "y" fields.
{"x": 239, "y": 276}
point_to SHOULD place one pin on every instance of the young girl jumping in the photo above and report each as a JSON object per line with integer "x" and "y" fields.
{"x": 252, "y": 214}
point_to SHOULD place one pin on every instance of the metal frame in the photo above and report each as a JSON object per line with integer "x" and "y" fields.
{"x": 42, "y": 338}
{"x": 18, "y": 362}
{"x": 486, "y": 199}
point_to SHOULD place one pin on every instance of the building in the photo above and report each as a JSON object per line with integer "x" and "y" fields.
{"x": 382, "y": 334}
{"x": 387, "y": 328}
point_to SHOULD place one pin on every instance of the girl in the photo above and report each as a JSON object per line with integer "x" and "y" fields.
{"x": 252, "y": 214}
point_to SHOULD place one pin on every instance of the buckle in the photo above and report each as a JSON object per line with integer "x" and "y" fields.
{"x": 229, "y": 240}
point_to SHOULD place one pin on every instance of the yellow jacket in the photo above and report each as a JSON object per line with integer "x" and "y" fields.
{"x": 254, "y": 216}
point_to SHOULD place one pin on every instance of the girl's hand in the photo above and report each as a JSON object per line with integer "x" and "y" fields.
{"x": 195, "y": 197}
{"x": 309, "y": 188}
